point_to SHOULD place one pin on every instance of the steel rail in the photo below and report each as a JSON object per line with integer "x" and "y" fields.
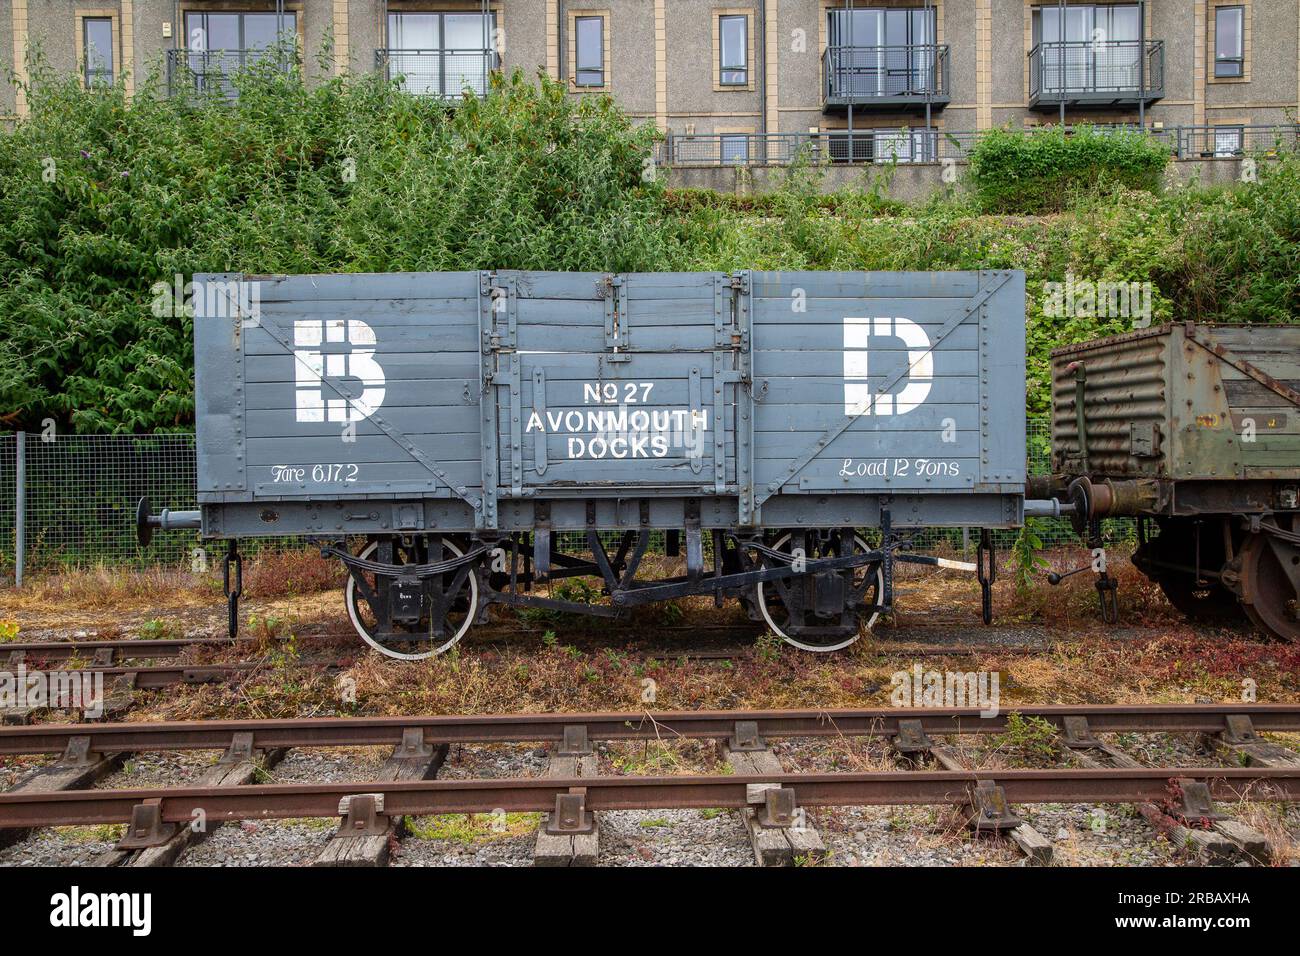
{"x": 145, "y": 678}
{"x": 124, "y": 649}
{"x": 704, "y": 724}
{"x": 419, "y": 797}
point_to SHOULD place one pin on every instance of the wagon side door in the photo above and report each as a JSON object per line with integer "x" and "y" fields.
{"x": 603, "y": 383}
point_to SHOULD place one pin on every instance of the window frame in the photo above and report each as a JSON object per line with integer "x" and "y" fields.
{"x": 602, "y": 51}
{"x": 439, "y": 87}
{"x": 1239, "y": 61}
{"x": 725, "y": 68}
{"x": 293, "y": 14}
{"x": 86, "y": 19}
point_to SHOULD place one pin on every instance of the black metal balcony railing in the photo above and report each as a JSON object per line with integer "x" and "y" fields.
{"x": 210, "y": 71}
{"x": 1100, "y": 73}
{"x": 885, "y": 76}
{"x": 445, "y": 74}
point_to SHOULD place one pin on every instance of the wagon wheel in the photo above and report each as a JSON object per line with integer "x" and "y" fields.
{"x": 1210, "y": 603}
{"x": 1207, "y": 601}
{"x": 367, "y": 598}
{"x": 786, "y": 603}
{"x": 1270, "y": 578}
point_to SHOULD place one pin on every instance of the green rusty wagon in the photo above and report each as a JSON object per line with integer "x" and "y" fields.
{"x": 1194, "y": 430}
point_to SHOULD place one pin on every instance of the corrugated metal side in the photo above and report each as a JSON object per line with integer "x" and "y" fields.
{"x": 1127, "y": 393}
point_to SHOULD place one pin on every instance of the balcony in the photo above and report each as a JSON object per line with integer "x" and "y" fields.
{"x": 884, "y": 78}
{"x": 210, "y": 71}
{"x": 444, "y": 74}
{"x": 1087, "y": 74}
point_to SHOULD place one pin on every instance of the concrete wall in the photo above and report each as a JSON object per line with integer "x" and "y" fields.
{"x": 905, "y": 183}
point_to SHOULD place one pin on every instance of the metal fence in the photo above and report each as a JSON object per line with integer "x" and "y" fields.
{"x": 1096, "y": 69}
{"x": 895, "y": 145}
{"x": 212, "y": 71}
{"x": 918, "y": 145}
{"x": 444, "y": 74}
{"x": 79, "y": 492}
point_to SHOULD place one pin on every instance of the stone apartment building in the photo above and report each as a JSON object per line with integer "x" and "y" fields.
{"x": 717, "y": 70}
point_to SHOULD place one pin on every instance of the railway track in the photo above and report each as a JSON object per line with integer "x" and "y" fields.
{"x": 716, "y": 642}
{"x": 103, "y": 665}
{"x": 107, "y": 652}
{"x": 771, "y": 800}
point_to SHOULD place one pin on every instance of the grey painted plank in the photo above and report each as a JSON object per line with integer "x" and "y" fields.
{"x": 412, "y": 365}
{"x": 964, "y": 362}
{"x": 270, "y": 338}
{"x": 865, "y": 284}
{"x": 315, "y": 288}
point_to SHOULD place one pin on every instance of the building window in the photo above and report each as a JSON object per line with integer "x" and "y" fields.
{"x": 733, "y": 50}
{"x": 97, "y": 44}
{"x": 219, "y": 44}
{"x": 237, "y": 32}
{"x": 876, "y": 51}
{"x": 441, "y": 54}
{"x": 1095, "y": 48}
{"x": 1229, "y": 41}
{"x": 589, "y": 35}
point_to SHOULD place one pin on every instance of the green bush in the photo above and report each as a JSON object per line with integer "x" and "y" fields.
{"x": 352, "y": 175}
{"x": 101, "y": 199}
{"x": 1041, "y": 171}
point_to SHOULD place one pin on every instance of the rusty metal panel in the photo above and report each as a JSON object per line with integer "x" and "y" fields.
{"x": 1125, "y": 406}
{"x": 1181, "y": 402}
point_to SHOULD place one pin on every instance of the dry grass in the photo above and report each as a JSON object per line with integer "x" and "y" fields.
{"x": 590, "y": 665}
{"x": 1277, "y": 822}
{"x": 277, "y": 574}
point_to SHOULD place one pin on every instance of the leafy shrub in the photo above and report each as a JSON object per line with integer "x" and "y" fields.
{"x": 100, "y": 199}
{"x": 353, "y": 175}
{"x": 1036, "y": 172}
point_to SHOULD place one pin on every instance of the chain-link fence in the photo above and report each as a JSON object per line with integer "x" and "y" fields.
{"x": 79, "y": 495}
{"x": 8, "y": 462}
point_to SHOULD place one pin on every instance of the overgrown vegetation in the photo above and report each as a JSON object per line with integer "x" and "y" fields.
{"x": 101, "y": 199}
{"x": 1016, "y": 171}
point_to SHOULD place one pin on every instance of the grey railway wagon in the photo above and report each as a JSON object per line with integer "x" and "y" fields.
{"x": 498, "y": 407}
